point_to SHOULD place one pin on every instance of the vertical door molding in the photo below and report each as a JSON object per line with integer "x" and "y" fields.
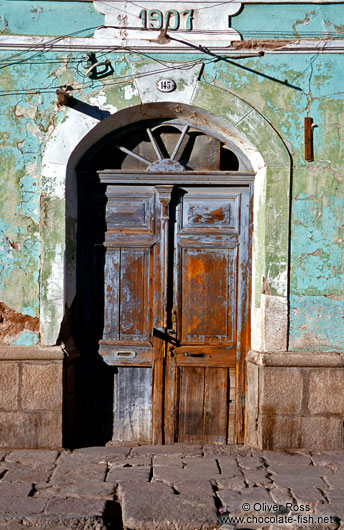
{"x": 160, "y": 306}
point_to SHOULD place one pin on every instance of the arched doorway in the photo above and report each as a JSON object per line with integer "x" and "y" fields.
{"x": 163, "y": 272}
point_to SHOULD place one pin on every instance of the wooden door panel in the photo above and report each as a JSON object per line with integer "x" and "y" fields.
{"x": 128, "y": 213}
{"x": 216, "y": 400}
{"x": 130, "y": 209}
{"x": 132, "y": 405}
{"x": 203, "y": 405}
{"x": 208, "y": 295}
{"x": 204, "y": 213}
{"x": 111, "y": 294}
{"x": 127, "y": 327}
{"x": 134, "y": 308}
{"x": 135, "y": 240}
{"x": 127, "y": 297}
{"x": 200, "y": 213}
{"x": 129, "y": 265}
{"x": 190, "y": 406}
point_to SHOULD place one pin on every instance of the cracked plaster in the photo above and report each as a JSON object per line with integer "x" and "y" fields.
{"x": 283, "y": 90}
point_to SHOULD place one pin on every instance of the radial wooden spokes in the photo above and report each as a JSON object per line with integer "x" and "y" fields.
{"x": 155, "y": 145}
{"x": 179, "y": 143}
{"x": 134, "y": 155}
{"x": 156, "y": 148}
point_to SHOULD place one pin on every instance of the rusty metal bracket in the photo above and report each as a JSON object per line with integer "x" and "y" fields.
{"x": 308, "y": 132}
{"x": 64, "y": 98}
{"x": 160, "y": 333}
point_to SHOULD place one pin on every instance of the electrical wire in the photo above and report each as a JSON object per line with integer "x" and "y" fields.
{"x": 74, "y": 64}
{"x": 167, "y": 67}
{"x": 46, "y": 44}
{"x": 93, "y": 84}
{"x": 250, "y": 33}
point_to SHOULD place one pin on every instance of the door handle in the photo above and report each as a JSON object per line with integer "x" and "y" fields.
{"x": 187, "y": 354}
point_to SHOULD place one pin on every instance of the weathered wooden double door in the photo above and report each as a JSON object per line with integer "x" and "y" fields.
{"x": 176, "y": 310}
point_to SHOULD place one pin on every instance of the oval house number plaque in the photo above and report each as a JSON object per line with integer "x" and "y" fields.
{"x": 166, "y": 85}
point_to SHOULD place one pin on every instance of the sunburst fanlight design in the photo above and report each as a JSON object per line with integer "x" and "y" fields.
{"x": 161, "y": 163}
{"x": 164, "y": 146}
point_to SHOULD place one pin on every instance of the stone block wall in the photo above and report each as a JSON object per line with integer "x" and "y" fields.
{"x": 30, "y": 397}
{"x": 295, "y": 400}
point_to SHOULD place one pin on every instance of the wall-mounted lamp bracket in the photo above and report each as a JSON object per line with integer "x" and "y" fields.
{"x": 93, "y": 71}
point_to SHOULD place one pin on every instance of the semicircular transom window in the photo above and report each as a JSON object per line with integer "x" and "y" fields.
{"x": 164, "y": 147}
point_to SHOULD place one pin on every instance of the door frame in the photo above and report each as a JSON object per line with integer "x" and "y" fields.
{"x": 165, "y": 182}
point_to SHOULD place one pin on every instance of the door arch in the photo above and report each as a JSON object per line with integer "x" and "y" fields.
{"x": 164, "y": 246}
{"x": 228, "y": 117}
{"x": 218, "y": 110}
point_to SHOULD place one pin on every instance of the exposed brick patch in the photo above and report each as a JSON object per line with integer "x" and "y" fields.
{"x": 13, "y": 323}
{"x": 253, "y": 44}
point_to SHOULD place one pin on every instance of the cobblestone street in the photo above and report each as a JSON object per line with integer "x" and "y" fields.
{"x": 181, "y": 487}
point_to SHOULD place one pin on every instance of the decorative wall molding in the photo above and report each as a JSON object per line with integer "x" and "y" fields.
{"x": 206, "y": 23}
{"x": 21, "y": 42}
{"x": 296, "y": 359}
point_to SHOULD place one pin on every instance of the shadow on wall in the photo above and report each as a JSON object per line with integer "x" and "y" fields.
{"x": 275, "y": 438}
{"x": 88, "y": 381}
{"x": 269, "y": 430}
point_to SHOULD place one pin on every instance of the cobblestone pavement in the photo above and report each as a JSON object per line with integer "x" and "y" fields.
{"x": 181, "y": 487}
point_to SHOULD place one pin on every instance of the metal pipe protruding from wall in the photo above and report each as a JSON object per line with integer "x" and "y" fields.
{"x": 64, "y": 98}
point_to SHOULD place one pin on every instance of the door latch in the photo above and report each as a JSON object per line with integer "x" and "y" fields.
{"x": 165, "y": 335}
{"x": 187, "y": 354}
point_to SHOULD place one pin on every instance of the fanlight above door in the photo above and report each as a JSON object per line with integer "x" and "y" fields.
{"x": 164, "y": 146}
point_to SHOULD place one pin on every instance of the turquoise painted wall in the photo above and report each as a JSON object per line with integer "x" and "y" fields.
{"x": 283, "y": 87}
{"x": 292, "y": 21}
{"x": 20, "y": 17}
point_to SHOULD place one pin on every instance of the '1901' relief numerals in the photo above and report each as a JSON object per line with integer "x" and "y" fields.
{"x": 172, "y": 19}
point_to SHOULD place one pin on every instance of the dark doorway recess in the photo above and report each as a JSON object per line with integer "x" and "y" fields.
{"x": 162, "y": 309}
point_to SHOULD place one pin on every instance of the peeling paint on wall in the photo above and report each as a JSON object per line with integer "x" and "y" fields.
{"x": 17, "y": 329}
{"x": 317, "y": 323}
{"x": 298, "y": 21}
{"x": 284, "y": 88}
{"x": 317, "y": 244}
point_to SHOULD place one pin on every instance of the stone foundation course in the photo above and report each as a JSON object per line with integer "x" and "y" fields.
{"x": 295, "y": 400}
{"x": 31, "y": 397}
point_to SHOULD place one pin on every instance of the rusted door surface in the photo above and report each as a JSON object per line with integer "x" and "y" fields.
{"x": 176, "y": 310}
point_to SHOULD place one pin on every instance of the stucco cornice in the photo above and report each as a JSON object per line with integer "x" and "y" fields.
{"x": 296, "y": 359}
{"x": 20, "y": 42}
{"x": 32, "y": 353}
